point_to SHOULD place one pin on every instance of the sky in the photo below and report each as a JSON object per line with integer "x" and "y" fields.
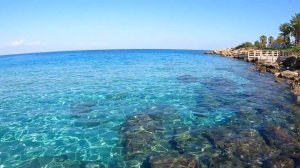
{"x": 60, "y": 25}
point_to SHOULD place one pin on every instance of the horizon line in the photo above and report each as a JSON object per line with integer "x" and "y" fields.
{"x": 55, "y": 51}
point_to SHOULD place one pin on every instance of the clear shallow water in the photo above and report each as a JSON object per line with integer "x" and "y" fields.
{"x": 73, "y": 108}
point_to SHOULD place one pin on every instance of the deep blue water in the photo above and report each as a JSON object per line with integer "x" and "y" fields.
{"x": 75, "y": 104}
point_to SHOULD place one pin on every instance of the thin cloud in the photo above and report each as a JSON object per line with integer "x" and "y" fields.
{"x": 18, "y": 42}
{"x": 22, "y": 42}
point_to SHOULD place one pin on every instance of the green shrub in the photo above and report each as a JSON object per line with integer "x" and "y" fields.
{"x": 245, "y": 45}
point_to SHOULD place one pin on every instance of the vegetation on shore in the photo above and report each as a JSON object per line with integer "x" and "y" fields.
{"x": 288, "y": 38}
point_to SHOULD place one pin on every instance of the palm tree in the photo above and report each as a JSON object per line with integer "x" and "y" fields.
{"x": 295, "y": 24}
{"x": 263, "y": 40}
{"x": 271, "y": 40}
{"x": 285, "y": 31}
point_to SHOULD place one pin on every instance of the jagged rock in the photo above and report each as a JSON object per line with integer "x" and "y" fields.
{"x": 277, "y": 74}
{"x": 171, "y": 161}
{"x": 289, "y": 74}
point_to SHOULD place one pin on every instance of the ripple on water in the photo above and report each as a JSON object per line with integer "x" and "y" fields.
{"x": 143, "y": 108}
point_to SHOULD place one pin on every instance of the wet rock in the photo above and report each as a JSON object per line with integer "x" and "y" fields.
{"x": 292, "y": 63}
{"x": 289, "y": 74}
{"x": 171, "y": 161}
{"x": 279, "y": 80}
{"x": 266, "y": 66}
{"x": 279, "y": 162}
{"x": 187, "y": 79}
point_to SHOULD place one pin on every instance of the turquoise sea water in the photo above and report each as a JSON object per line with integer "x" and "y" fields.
{"x": 70, "y": 108}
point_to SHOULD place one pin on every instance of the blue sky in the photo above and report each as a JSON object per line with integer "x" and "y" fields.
{"x": 54, "y": 25}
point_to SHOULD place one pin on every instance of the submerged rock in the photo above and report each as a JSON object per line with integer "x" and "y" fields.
{"x": 171, "y": 161}
{"x": 279, "y": 162}
{"x": 157, "y": 130}
{"x": 83, "y": 108}
{"x": 116, "y": 97}
{"x": 88, "y": 123}
{"x": 187, "y": 79}
{"x": 148, "y": 133}
{"x": 239, "y": 148}
{"x": 217, "y": 93}
{"x": 281, "y": 138}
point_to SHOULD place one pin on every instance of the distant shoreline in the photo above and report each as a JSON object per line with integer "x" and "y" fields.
{"x": 287, "y": 70}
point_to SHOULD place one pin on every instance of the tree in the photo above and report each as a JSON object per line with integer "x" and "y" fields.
{"x": 285, "y": 31}
{"x": 280, "y": 40}
{"x": 257, "y": 44}
{"x": 245, "y": 45}
{"x": 295, "y": 24}
{"x": 263, "y": 41}
{"x": 271, "y": 40}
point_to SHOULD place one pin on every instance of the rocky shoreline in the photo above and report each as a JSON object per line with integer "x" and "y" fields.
{"x": 229, "y": 52}
{"x": 287, "y": 70}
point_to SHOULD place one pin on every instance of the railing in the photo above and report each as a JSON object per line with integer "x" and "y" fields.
{"x": 271, "y": 55}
